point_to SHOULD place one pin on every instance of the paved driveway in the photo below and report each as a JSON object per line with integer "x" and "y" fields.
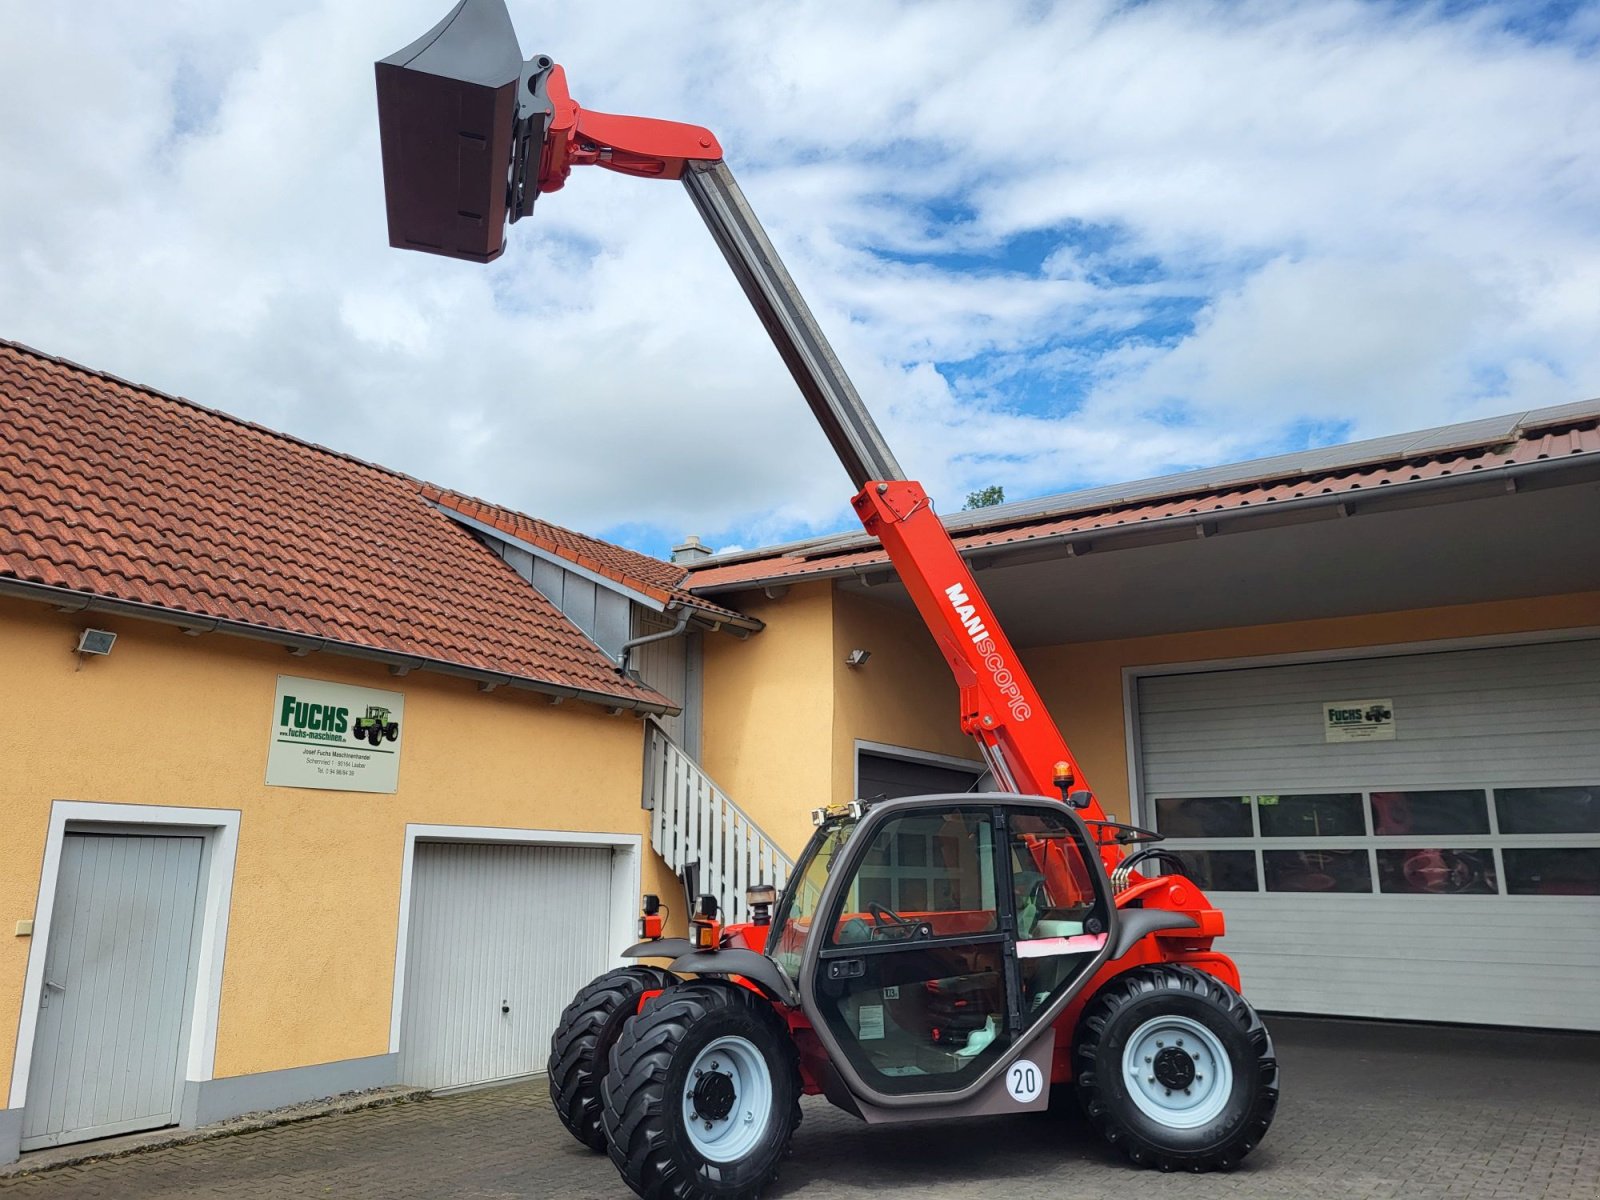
{"x": 1368, "y": 1111}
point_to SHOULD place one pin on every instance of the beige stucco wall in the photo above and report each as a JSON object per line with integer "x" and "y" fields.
{"x": 174, "y": 720}
{"x": 768, "y": 711}
{"x": 903, "y": 696}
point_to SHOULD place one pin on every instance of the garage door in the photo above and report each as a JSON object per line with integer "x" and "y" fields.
{"x": 500, "y": 938}
{"x": 1447, "y": 868}
{"x": 888, "y": 776}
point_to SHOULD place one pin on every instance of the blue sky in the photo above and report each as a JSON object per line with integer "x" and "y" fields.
{"x": 1056, "y": 245}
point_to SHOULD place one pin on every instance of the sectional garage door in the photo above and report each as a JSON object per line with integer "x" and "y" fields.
{"x": 500, "y": 938}
{"x": 1448, "y": 872}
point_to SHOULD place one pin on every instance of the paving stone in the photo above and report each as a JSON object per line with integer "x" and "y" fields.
{"x": 1369, "y": 1112}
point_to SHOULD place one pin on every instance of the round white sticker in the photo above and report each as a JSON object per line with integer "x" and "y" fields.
{"x": 1024, "y": 1081}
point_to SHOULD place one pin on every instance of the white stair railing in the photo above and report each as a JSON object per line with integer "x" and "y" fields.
{"x": 695, "y": 827}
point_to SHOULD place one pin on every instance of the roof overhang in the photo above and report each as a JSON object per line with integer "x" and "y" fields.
{"x": 67, "y": 600}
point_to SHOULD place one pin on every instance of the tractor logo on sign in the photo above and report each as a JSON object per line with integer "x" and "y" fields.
{"x": 1358, "y": 720}
{"x": 377, "y": 726}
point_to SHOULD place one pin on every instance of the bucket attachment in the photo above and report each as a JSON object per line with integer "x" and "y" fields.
{"x": 449, "y": 118}
{"x": 472, "y": 134}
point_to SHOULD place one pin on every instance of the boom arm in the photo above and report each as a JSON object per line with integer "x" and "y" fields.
{"x": 472, "y": 136}
{"x": 999, "y": 705}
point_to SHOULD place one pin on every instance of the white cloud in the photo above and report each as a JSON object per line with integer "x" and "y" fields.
{"x": 1380, "y": 218}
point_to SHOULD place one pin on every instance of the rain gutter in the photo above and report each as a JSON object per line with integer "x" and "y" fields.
{"x": 71, "y": 601}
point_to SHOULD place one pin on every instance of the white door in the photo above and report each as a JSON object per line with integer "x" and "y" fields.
{"x": 117, "y": 984}
{"x": 1449, "y": 872}
{"x": 501, "y": 938}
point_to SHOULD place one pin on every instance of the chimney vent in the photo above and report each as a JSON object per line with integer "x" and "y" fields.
{"x": 691, "y": 551}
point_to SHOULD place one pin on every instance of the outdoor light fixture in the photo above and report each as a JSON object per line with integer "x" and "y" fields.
{"x": 96, "y": 641}
{"x": 857, "y": 657}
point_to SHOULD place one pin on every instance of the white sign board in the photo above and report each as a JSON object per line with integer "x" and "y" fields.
{"x": 1358, "y": 720}
{"x": 334, "y": 736}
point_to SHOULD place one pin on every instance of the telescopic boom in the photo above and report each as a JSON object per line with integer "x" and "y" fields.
{"x": 451, "y": 100}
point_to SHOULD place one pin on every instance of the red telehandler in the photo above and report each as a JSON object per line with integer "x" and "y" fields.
{"x": 937, "y": 956}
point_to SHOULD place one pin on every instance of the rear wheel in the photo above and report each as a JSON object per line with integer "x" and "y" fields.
{"x": 580, "y": 1048}
{"x": 1175, "y": 1069}
{"x": 703, "y": 1095}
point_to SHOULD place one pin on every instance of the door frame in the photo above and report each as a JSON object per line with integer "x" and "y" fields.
{"x": 626, "y": 852}
{"x": 842, "y": 874}
{"x": 219, "y": 830}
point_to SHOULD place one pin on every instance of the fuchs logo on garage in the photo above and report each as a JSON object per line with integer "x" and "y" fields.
{"x": 999, "y": 670}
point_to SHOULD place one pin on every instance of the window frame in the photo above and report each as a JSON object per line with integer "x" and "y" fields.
{"x": 1371, "y": 841}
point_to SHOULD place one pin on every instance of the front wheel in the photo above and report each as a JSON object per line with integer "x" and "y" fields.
{"x": 1175, "y": 1069}
{"x": 580, "y": 1048}
{"x": 703, "y": 1095}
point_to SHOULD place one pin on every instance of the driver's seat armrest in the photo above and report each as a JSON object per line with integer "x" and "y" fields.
{"x": 1134, "y": 923}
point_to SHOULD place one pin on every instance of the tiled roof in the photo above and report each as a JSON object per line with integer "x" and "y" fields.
{"x": 1347, "y": 471}
{"x": 124, "y": 493}
{"x": 651, "y": 576}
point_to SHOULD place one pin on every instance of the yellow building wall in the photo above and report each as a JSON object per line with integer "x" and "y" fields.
{"x": 904, "y": 695}
{"x": 767, "y": 720}
{"x": 172, "y": 720}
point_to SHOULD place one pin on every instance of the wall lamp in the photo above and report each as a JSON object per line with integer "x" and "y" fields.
{"x": 95, "y": 641}
{"x": 857, "y": 657}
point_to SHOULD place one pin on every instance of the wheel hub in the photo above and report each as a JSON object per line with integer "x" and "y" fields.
{"x": 713, "y": 1096}
{"x": 1174, "y": 1068}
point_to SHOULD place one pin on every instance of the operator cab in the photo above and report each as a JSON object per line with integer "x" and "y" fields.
{"x": 927, "y": 935}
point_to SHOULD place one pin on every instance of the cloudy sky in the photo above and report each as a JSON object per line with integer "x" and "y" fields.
{"x": 1055, "y": 244}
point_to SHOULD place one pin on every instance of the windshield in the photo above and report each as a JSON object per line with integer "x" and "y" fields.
{"x": 791, "y": 924}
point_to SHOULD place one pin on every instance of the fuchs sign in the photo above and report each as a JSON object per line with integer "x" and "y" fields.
{"x": 334, "y": 736}
{"x": 1358, "y": 720}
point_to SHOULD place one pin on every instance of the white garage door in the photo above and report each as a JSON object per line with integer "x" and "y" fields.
{"x": 1451, "y": 873}
{"x": 501, "y": 937}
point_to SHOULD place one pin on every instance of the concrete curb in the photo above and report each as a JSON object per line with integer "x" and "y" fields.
{"x": 39, "y": 1161}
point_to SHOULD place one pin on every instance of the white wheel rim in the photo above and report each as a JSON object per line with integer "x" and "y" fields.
{"x": 1161, "y": 1055}
{"x": 727, "y": 1137}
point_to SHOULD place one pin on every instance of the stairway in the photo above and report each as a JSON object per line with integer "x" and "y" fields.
{"x": 708, "y": 840}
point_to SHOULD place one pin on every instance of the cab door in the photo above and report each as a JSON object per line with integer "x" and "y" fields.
{"x": 949, "y": 934}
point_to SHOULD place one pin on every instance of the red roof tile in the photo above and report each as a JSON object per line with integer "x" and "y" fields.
{"x": 126, "y": 493}
{"x": 1060, "y": 516}
{"x": 651, "y": 576}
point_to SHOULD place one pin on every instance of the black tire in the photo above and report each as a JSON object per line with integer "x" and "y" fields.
{"x": 375, "y": 735}
{"x": 1120, "y": 1010}
{"x": 580, "y": 1048}
{"x": 650, "y": 1080}
{"x": 391, "y": 731}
